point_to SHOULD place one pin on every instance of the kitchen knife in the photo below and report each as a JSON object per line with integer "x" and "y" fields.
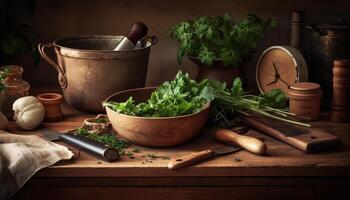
{"x": 196, "y": 157}
{"x": 91, "y": 146}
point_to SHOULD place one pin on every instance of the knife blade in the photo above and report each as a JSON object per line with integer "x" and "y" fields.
{"x": 86, "y": 144}
{"x": 196, "y": 157}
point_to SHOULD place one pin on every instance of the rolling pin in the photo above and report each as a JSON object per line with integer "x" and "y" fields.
{"x": 248, "y": 143}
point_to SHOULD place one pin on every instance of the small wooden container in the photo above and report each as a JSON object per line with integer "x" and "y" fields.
{"x": 305, "y": 99}
{"x": 51, "y": 102}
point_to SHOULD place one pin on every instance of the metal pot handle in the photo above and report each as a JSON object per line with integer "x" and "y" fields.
{"x": 62, "y": 78}
{"x": 153, "y": 39}
{"x": 319, "y": 31}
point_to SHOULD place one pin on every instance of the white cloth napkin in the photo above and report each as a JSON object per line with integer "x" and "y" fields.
{"x": 21, "y": 156}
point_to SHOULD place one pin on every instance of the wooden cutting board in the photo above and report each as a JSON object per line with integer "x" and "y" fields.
{"x": 306, "y": 139}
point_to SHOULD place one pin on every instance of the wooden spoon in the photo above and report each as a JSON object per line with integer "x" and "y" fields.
{"x": 248, "y": 143}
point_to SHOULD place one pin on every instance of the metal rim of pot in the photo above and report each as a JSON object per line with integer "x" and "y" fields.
{"x": 62, "y": 77}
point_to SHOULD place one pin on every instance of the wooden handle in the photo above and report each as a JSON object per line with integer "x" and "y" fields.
{"x": 250, "y": 144}
{"x": 190, "y": 159}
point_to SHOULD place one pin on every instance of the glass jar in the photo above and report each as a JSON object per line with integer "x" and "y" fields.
{"x": 15, "y": 87}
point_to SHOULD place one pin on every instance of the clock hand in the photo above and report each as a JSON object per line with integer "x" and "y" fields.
{"x": 279, "y": 78}
{"x": 275, "y": 67}
{"x": 274, "y": 81}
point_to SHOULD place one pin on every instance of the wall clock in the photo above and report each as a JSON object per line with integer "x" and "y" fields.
{"x": 280, "y": 67}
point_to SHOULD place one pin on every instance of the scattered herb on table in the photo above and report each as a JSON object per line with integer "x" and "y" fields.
{"x": 153, "y": 156}
{"x": 183, "y": 96}
{"x": 150, "y": 157}
{"x": 218, "y": 37}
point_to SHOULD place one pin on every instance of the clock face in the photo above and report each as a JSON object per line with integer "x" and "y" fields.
{"x": 279, "y": 68}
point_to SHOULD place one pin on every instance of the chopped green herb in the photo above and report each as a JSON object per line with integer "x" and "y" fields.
{"x": 101, "y": 120}
{"x": 136, "y": 150}
{"x": 153, "y": 156}
{"x": 109, "y": 139}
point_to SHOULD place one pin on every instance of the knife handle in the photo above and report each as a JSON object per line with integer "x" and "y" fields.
{"x": 248, "y": 143}
{"x": 190, "y": 159}
{"x": 91, "y": 146}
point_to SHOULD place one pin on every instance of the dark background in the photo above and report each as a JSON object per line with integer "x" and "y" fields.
{"x": 55, "y": 19}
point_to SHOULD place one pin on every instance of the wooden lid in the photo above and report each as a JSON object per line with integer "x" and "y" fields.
{"x": 305, "y": 86}
{"x": 342, "y": 62}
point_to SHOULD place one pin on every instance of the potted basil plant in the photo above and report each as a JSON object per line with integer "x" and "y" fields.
{"x": 217, "y": 45}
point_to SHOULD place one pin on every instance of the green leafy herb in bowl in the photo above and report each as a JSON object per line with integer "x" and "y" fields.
{"x": 181, "y": 96}
{"x": 177, "y": 110}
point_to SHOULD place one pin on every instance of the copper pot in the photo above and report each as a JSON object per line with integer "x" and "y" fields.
{"x": 89, "y": 70}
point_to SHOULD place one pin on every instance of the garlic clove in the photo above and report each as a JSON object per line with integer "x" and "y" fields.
{"x": 29, "y": 112}
{"x": 22, "y": 102}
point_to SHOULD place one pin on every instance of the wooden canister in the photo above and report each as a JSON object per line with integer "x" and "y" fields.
{"x": 305, "y": 100}
{"x": 341, "y": 86}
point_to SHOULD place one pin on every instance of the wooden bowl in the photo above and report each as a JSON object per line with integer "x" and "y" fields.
{"x": 154, "y": 131}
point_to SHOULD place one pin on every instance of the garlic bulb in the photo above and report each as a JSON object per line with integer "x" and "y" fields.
{"x": 3, "y": 121}
{"x": 29, "y": 112}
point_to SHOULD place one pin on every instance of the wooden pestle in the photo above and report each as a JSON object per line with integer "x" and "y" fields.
{"x": 341, "y": 86}
{"x": 248, "y": 143}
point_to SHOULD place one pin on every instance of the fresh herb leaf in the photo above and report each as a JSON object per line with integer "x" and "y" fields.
{"x": 274, "y": 99}
{"x": 180, "y": 96}
{"x": 183, "y": 96}
{"x": 210, "y": 38}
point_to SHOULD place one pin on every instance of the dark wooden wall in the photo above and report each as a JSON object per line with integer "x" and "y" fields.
{"x": 55, "y": 19}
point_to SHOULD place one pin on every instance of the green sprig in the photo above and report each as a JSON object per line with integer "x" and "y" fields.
{"x": 219, "y": 38}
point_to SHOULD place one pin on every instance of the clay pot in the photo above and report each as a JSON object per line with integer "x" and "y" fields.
{"x": 305, "y": 100}
{"x": 155, "y": 131}
{"x": 51, "y": 102}
{"x": 218, "y": 71}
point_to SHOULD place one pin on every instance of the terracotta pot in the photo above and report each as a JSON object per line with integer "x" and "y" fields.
{"x": 155, "y": 131}
{"x": 51, "y": 102}
{"x": 218, "y": 71}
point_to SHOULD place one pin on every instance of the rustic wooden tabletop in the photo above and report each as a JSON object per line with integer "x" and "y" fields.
{"x": 281, "y": 159}
{"x": 306, "y": 175}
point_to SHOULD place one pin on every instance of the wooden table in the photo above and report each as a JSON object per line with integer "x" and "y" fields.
{"x": 284, "y": 173}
